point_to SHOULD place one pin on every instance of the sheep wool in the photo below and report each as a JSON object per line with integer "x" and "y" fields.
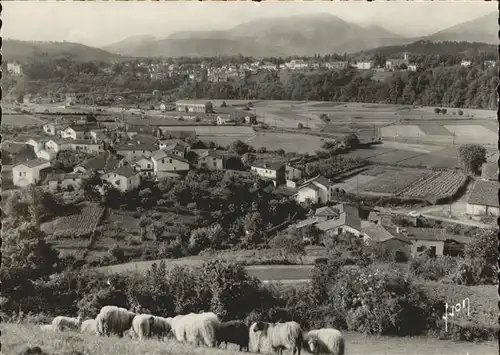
{"x": 89, "y": 326}
{"x": 281, "y": 336}
{"x": 142, "y": 325}
{"x": 114, "y": 320}
{"x": 61, "y": 323}
{"x": 325, "y": 341}
{"x": 161, "y": 327}
{"x": 196, "y": 328}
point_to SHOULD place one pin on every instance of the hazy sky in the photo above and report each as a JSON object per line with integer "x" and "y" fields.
{"x": 100, "y": 23}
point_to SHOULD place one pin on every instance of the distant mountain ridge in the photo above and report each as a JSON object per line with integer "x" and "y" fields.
{"x": 298, "y": 35}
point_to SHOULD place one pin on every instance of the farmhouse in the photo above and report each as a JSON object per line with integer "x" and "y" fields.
{"x": 325, "y": 213}
{"x": 55, "y": 145}
{"x": 78, "y": 131}
{"x": 293, "y": 173}
{"x": 29, "y": 172}
{"x": 37, "y": 143}
{"x": 124, "y": 178}
{"x": 166, "y": 164}
{"x": 435, "y": 239}
{"x": 489, "y": 171}
{"x": 144, "y": 166}
{"x": 364, "y": 65}
{"x": 273, "y": 171}
{"x": 174, "y": 146}
{"x": 386, "y": 239}
{"x": 85, "y": 146}
{"x": 134, "y": 151}
{"x": 194, "y": 106}
{"x": 397, "y": 63}
{"x": 64, "y": 181}
{"x": 317, "y": 190}
{"x": 483, "y": 199}
{"x": 345, "y": 222}
{"x": 210, "y": 159}
{"x": 100, "y": 164}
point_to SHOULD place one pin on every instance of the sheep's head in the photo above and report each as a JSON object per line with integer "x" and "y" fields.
{"x": 312, "y": 344}
{"x": 260, "y": 326}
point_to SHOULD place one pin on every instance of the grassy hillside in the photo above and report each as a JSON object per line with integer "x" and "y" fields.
{"x": 14, "y": 50}
{"x": 18, "y": 337}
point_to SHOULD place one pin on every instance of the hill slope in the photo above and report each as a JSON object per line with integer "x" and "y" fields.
{"x": 15, "y": 50}
{"x": 483, "y": 29}
{"x": 284, "y": 36}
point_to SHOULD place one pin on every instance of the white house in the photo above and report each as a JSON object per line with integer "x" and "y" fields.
{"x": 210, "y": 159}
{"x": 14, "y": 69}
{"x": 144, "y": 166}
{"x": 29, "y": 172}
{"x": 466, "y": 63}
{"x": 74, "y": 132}
{"x": 86, "y": 146}
{"x": 225, "y": 121}
{"x": 64, "y": 181}
{"x": 57, "y": 145}
{"x": 317, "y": 190}
{"x": 364, "y": 65}
{"x": 483, "y": 199}
{"x": 344, "y": 223}
{"x": 135, "y": 151}
{"x": 166, "y": 164}
{"x": 124, "y": 178}
{"x": 273, "y": 171}
{"x": 37, "y": 144}
{"x": 435, "y": 239}
{"x": 51, "y": 129}
{"x": 175, "y": 146}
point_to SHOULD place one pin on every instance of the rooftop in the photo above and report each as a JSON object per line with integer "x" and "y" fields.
{"x": 105, "y": 161}
{"x": 484, "y": 193}
{"x": 344, "y": 219}
{"x": 33, "y": 162}
{"x": 325, "y": 211}
{"x": 126, "y": 171}
{"x": 164, "y": 153}
{"x": 141, "y": 146}
{"x": 268, "y": 165}
{"x": 378, "y": 233}
{"x": 321, "y": 180}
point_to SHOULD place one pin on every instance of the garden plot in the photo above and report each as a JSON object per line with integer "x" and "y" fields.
{"x": 82, "y": 223}
{"x": 437, "y": 185}
{"x": 394, "y": 157}
{"x": 431, "y": 160}
{"x": 354, "y": 184}
{"x": 393, "y": 182}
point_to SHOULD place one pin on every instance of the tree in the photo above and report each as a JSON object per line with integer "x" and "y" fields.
{"x": 240, "y": 147}
{"x": 223, "y": 104}
{"x": 254, "y": 229}
{"x": 483, "y": 246}
{"x": 444, "y": 111}
{"x": 351, "y": 141}
{"x": 300, "y": 125}
{"x": 460, "y": 112}
{"x": 324, "y": 117}
{"x": 472, "y": 157}
{"x": 437, "y": 110}
{"x": 288, "y": 244}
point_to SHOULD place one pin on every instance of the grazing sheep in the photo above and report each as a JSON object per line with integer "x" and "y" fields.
{"x": 255, "y": 339}
{"x": 89, "y": 326}
{"x": 281, "y": 335}
{"x": 161, "y": 327}
{"x": 325, "y": 341}
{"x": 235, "y": 332}
{"x": 142, "y": 324}
{"x": 196, "y": 328}
{"x": 61, "y": 323}
{"x": 114, "y": 320}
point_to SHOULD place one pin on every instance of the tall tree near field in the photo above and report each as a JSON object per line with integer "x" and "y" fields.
{"x": 472, "y": 157}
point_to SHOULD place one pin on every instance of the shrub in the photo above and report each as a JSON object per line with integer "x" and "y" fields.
{"x": 431, "y": 268}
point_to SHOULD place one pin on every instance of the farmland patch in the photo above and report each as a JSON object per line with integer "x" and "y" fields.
{"x": 289, "y": 142}
{"x": 352, "y": 184}
{"x": 472, "y": 131}
{"x": 402, "y": 131}
{"x": 393, "y": 181}
{"x": 393, "y": 157}
{"x": 437, "y": 185}
{"x": 431, "y": 161}
{"x": 435, "y": 130}
{"x": 21, "y": 120}
{"x": 80, "y": 223}
{"x": 367, "y": 153}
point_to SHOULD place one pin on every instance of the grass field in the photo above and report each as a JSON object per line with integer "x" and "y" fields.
{"x": 394, "y": 157}
{"x": 435, "y": 130}
{"x": 16, "y": 337}
{"x": 475, "y": 131}
{"x": 393, "y": 181}
{"x": 289, "y": 142}
{"x": 21, "y": 120}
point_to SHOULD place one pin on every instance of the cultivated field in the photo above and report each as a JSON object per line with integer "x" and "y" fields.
{"x": 289, "y": 142}
{"x": 21, "y": 120}
{"x": 438, "y": 185}
{"x": 16, "y": 337}
{"x": 81, "y": 222}
{"x": 393, "y": 181}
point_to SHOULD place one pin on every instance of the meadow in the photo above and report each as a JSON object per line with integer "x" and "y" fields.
{"x": 21, "y": 120}
{"x": 16, "y": 337}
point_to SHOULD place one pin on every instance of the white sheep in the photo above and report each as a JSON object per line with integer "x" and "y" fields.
{"x": 196, "y": 328}
{"x": 89, "y": 326}
{"x": 255, "y": 342}
{"x": 142, "y": 324}
{"x": 61, "y": 323}
{"x": 281, "y": 336}
{"x": 325, "y": 341}
{"x": 114, "y": 320}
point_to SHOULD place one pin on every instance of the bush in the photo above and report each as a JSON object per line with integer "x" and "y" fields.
{"x": 431, "y": 268}
{"x": 437, "y": 110}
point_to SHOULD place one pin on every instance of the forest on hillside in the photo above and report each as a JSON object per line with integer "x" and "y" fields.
{"x": 443, "y": 86}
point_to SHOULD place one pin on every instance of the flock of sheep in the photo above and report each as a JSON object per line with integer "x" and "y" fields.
{"x": 206, "y": 329}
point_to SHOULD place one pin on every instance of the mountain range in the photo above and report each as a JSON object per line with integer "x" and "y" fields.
{"x": 280, "y": 37}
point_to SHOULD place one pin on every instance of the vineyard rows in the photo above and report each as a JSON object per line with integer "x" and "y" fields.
{"x": 82, "y": 223}
{"x": 438, "y": 185}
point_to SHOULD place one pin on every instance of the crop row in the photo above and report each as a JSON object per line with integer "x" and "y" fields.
{"x": 81, "y": 223}
{"x": 442, "y": 184}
